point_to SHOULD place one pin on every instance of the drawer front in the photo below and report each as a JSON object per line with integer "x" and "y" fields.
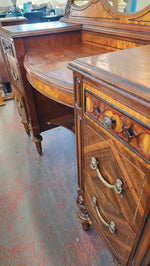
{"x": 15, "y": 76}
{"x": 21, "y": 106}
{"x": 128, "y": 204}
{"x": 129, "y": 131}
{"x": 111, "y": 224}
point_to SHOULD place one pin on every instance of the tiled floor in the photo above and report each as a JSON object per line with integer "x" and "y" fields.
{"x": 39, "y": 225}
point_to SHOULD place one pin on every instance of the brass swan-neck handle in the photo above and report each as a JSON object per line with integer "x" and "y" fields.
{"x": 112, "y": 225}
{"x": 118, "y": 186}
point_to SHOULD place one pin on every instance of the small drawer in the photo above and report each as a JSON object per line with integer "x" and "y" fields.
{"x": 8, "y": 47}
{"x": 109, "y": 222}
{"x": 114, "y": 174}
{"x": 126, "y": 129}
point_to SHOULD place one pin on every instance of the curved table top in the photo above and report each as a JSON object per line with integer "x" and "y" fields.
{"x": 48, "y": 73}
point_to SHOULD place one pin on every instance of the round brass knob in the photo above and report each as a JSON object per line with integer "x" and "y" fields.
{"x": 108, "y": 121}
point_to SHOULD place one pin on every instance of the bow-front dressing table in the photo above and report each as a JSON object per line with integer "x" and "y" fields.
{"x": 108, "y": 97}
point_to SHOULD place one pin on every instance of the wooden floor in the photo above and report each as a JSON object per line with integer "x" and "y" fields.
{"x": 39, "y": 225}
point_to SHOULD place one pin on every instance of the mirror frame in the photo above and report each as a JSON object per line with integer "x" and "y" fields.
{"x": 100, "y": 13}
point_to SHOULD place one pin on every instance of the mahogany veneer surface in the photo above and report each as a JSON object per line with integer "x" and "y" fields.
{"x": 38, "y": 28}
{"x": 130, "y": 64}
{"x": 129, "y": 71}
{"x": 51, "y": 68}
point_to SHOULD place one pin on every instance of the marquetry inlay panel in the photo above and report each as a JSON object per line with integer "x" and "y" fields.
{"x": 126, "y": 129}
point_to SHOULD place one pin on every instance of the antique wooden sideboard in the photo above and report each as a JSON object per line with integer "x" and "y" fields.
{"x": 4, "y": 77}
{"x": 110, "y": 93}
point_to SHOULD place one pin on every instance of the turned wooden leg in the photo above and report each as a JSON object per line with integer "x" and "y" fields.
{"x": 37, "y": 140}
{"x": 83, "y": 213}
{"x": 26, "y": 127}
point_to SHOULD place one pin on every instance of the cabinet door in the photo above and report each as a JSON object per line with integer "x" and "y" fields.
{"x": 126, "y": 209}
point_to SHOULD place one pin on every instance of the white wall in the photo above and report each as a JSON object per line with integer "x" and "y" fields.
{"x": 4, "y": 3}
{"x": 141, "y": 4}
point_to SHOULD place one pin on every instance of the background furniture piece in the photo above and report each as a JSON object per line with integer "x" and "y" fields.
{"x": 4, "y": 77}
{"x": 112, "y": 114}
{"x": 34, "y": 16}
{"x": 47, "y": 101}
{"x": 8, "y": 21}
{"x": 49, "y": 18}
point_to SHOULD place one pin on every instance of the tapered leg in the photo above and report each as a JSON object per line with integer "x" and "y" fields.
{"x": 37, "y": 140}
{"x": 82, "y": 212}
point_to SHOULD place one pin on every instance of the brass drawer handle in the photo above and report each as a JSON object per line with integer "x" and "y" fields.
{"x": 14, "y": 75}
{"x": 119, "y": 184}
{"x": 19, "y": 103}
{"x": 112, "y": 225}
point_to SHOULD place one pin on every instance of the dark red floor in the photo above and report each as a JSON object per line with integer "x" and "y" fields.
{"x": 39, "y": 225}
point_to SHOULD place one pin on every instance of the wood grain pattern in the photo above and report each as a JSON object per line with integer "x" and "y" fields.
{"x": 40, "y": 29}
{"x": 114, "y": 67}
{"x": 109, "y": 40}
{"x": 141, "y": 253}
{"x": 99, "y": 145}
{"x": 123, "y": 240}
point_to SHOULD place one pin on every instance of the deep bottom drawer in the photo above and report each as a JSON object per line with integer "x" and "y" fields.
{"x": 123, "y": 238}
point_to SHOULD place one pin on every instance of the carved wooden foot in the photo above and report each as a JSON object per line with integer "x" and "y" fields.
{"x": 26, "y": 127}
{"x": 83, "y": 213}
{"x": 37, "y": 140}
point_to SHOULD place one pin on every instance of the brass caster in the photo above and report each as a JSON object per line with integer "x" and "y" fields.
{"x": 85, "y": 226}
